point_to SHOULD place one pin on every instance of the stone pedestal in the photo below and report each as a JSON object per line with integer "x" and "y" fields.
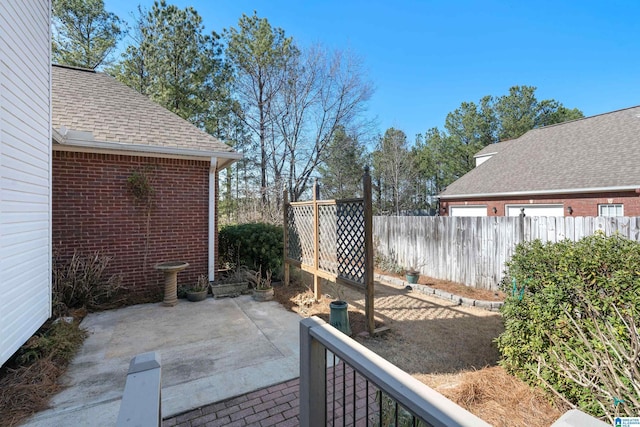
{"x": 170, "y": 270}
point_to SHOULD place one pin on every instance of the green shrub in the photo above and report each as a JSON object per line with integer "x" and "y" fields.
{"x": 573, "y": 328}
{"x": 255, "y": 245}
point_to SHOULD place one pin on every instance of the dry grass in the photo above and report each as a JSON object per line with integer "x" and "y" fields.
{"x": 448, "y": 347}
{"x": 30, "y": 378}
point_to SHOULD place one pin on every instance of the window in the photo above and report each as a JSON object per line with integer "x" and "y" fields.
{"x": 610, "y": 210}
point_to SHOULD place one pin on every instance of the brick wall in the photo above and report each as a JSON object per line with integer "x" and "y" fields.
{"x": 582, "y": 204}
{"x": 93, "y": 210}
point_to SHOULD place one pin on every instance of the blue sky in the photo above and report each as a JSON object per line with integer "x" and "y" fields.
{"x": 426, "y": 57}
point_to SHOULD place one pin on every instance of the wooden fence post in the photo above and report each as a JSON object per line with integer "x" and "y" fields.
{"x": 285, "y": 236}
{"x": 368, "y": 250}
{"x": 317, "y": 291}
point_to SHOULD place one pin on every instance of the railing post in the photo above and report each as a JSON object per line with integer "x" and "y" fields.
{"x": 313, "y": 388}
{"x": 141, "y": 399}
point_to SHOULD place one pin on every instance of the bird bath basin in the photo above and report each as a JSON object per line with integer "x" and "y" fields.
{"x": 170, "y": 270}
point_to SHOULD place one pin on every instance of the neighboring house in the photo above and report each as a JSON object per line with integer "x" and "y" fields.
{"x": 25, "y": 171}
{"x": 585, "y": 167}
{"x": 104, "y": 134}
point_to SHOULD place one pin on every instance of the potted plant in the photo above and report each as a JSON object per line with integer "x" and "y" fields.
{"x": 199, "y": 291}
{"x": 339, "y": 311}
{"x": 232, "y": 283}
{"x": 263, "y": 290}
{"x": 412, "y": 275}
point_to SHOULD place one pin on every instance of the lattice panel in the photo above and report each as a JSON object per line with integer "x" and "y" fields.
{"x": 327, "y": 259}
{"x": 350, "y": 241}
{"x": 300, "y": 233}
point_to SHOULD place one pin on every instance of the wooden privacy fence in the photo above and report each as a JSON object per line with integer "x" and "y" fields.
{"x": 473, "y": 250}
{"x": 332, "y": 240}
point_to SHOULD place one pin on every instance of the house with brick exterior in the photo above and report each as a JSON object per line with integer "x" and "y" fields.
{"x": 108, "y": 140}
{"x": 585, "y": 167}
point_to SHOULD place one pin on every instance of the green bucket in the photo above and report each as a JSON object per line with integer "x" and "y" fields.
{"x": 339, "y": 316}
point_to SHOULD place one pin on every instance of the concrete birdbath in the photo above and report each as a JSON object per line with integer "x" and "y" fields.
{"x": 170, "y": 270}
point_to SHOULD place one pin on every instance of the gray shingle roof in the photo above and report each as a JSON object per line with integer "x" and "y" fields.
{"x": 88, "y": 101}
{"x": 595, "y": 153}
{"x": 493, "y": 148}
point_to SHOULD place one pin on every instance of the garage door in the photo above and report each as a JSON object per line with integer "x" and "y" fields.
{"x": 536, "y": 210}
{"x": 468, "y": 210}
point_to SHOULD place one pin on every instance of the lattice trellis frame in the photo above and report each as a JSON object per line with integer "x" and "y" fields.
{"x": 341, "y": 238}
{"x": 300, "y": 233}
{"x": 350, "y": 245}
{"x": 332, "y": 240}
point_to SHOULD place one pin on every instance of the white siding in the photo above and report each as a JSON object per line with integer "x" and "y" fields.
{"x": 25, "y": 171}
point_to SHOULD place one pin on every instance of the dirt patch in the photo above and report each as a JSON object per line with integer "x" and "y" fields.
{"x": 448, "y": 347}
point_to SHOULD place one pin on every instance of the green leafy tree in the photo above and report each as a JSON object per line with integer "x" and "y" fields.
{"x": 178, "y": 65}
{"x": 342, "y": 166}
{"x": 84, "y": 33}
{"x": 394, "y": 170}
{"x": 520, "y": 111}
{"x": 258, "y": 53}
{"x": 445, "y": 155}
{"x": 470, "y": 128}
{"x": 133, "y": 68}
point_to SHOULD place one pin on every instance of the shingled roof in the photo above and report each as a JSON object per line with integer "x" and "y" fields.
{"x": 96, "y": 108}
{"x": 593, "y": 154}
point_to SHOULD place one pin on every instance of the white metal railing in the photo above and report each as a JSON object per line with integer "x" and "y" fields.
{"x": 140, "y": 406}
{"x": 425, "y": 405}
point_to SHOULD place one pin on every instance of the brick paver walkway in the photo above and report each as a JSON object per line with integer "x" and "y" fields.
{"x": 274, "y": 405}
{"x": 279, "y": 404}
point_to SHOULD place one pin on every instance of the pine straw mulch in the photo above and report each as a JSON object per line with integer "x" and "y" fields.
{"x": 454, "y": 288}
{"x": 450, "y": 348}
{"x": 31, "y": 377}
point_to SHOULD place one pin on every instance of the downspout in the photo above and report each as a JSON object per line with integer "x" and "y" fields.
{"x": 213, "y": 232}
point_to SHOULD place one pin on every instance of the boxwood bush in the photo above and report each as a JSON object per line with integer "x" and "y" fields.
{"x": 571, "y": 321}
{"x": 255, "y": 245}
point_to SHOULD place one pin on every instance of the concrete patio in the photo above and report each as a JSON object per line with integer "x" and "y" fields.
{"x": 211, "y": 351}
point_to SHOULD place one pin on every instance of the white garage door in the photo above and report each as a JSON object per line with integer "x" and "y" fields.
{"x": 468, "y": 210}
{"x": 536, "y": 210}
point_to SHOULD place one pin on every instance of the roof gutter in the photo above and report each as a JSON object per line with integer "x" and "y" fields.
{"x": 540, "y": 192}
{"x": 76, "y": 139}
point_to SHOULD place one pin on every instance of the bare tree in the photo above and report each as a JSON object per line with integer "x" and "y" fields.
{"x": 323, "y": 91}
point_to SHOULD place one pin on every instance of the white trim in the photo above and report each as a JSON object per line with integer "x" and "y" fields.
{"x": 78, "y": 149}
{"x": 50, "y": 201}
{"x": 608, "y": 205}
{"x": 542, "y": 192}
{"x": 72, "y": 140}
{"x": 212, "y": 218}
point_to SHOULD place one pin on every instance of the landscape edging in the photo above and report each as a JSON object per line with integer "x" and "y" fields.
{"x": 438, "y": 293}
